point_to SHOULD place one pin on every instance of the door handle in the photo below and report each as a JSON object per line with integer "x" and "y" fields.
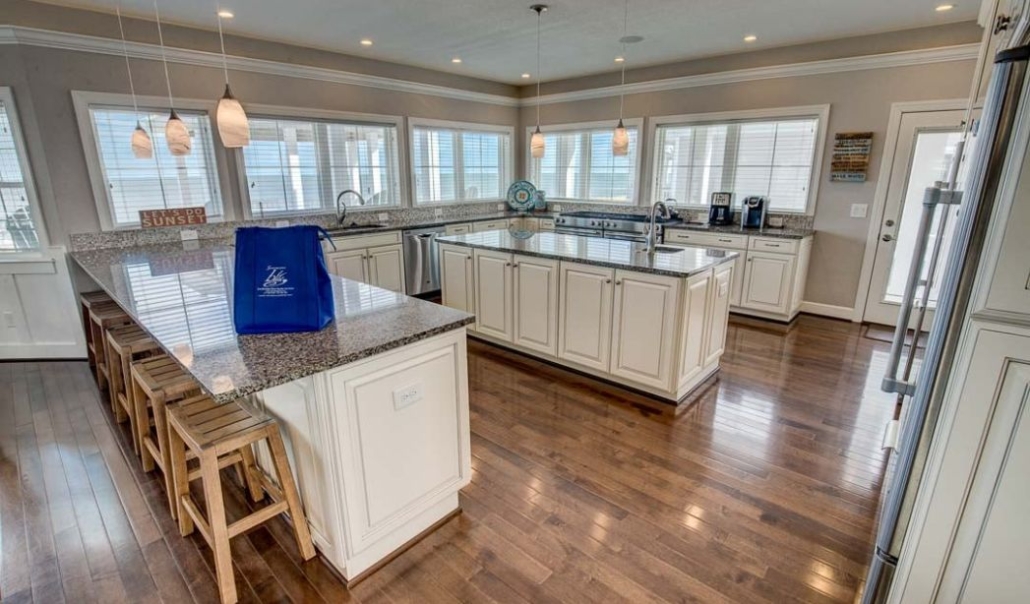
{"x": 887, "y": 237}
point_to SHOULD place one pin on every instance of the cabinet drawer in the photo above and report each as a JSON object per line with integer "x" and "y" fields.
{"x": 721, "y": 240}
{"x": 458, "y": 229}
{"x": 546, "y": 224}
{"x": 489, "y": 225}
{"x": 780, "y": 246}
{"x": 364, "y": 241}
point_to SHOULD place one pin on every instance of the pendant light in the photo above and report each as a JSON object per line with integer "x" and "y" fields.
{"x": 620, "y": 138}
{"x": 537, "y": 147}
{"x": 176, "y": 135}
{"x": 142, "y": 146}
{"x": 233, "y": 126}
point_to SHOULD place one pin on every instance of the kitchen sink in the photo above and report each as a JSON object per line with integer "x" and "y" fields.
{"x": 664, "y": 249}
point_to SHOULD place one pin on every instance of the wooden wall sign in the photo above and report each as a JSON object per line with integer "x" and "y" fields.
{"x": 172, "y": 217}
{"x": 851, "y": 156}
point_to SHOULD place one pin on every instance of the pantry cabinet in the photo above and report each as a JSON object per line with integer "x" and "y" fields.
{"x": 585, "y": 315}
{"x": 644, "y": 327}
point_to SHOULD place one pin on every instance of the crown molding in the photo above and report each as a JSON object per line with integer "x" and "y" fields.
{"x": 905, "y": 58}
{"x": 138, "y": 50}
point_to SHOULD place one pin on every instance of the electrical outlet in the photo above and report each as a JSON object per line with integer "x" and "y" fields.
{"x": 282, "y": 224}
{"x": 556, "y": 208}
{"x": 859, "y": 210}
{"x": 500, "y": 207}
{"x": 9, "y": 319}
{"x": 383, "y": 216}
{"x": 188, "y": 234}
{"x": 438, "y": 212}
{"x": 406, "y": 397}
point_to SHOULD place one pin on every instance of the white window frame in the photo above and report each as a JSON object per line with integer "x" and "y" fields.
{"x": 305, "y": 113}
{"x": 637, "y": 122}
{"x": 508, "y": 169}
{"x": 820, "y": 112}
{"x": 82, "y": 100}
{"x": 7, "y": 98}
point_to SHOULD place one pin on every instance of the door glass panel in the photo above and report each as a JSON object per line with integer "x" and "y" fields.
{"x": 934, "y": 152}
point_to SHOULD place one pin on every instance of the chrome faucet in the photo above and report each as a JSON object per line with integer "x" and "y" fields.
{"x": 652, "y": 230}
{"x": 341, "y": 210}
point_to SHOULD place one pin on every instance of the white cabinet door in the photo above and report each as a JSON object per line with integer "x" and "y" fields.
{"x": 737, "y": 285}
{"x": 456, "y": 280}
{"x": 536, "y": 304}
{"x": 349, "y": 264}
{"x": 493, "y": 294}
{"x": 585, "y": 315}
{"x": 767, "y": 281}
{"x": 386, "y": 267}
{"x": 692, "y": 335}
{"x": 718, "y": 311}
{"x": 644, "y": 327}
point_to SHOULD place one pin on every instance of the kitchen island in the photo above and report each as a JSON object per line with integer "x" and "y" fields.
{"x": 654, "y": 322}
{"x": 373, "y": 408}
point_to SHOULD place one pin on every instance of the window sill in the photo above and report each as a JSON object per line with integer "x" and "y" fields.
{"x": 27, "y": 263}
{"x": 451, "y": 204}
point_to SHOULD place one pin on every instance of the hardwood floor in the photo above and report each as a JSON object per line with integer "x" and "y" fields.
{"x": 764, "y": 490}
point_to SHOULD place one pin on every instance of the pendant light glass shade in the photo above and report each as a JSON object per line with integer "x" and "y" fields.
{"x": 177, "y": 136}
{"x": 142, "y": 146}
{"x": 536, "y": 144}
{"x": 620, "y": 141}
{"x": 233, "y": 126}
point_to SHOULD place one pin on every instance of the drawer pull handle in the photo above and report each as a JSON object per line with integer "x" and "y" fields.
{"x": 726, "y": 240}
{"x": 772, "y": 245}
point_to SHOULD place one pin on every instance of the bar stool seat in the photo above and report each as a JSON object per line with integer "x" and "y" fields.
{"x": 125, "y": 344}
{"x": 157, "y": 382}
{"x": 216, "y": 434}
{"x": 102, "y": 317}
{"x": 86, "y": 301}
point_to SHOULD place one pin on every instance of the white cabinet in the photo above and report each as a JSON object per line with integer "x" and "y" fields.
{"x": 536, "y": 304}
{"x": 585, "y": 315}
{"x": 767, "y": 282}
{"x": 349, "y": 265}
{"x": 490, "y": 225}
{"x": 493, "y": 279}
{"x": 644, "y": 327}
{"x": 692, "y": 331}
{"x": 719, "y": 308}
{"x": 376, "y": 259}
{"x": 386, "y": 267}
{"x": 458, "y": 229}
{"x": 456, "y": 281}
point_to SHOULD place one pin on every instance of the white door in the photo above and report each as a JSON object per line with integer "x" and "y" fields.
{"x": 493, "y": 294}
{"x": 585, "y": 315}
{"x": 456, "y": 278}
{"x": 349, "y": 264}
{"x": 386, "y": 267}
{"x": 926, "y": 145}
{"x": 536, "y": 304}
{"x": 767, "y": 281}
{"x": 644, "y": 328}
{"x": 718, "y": 311}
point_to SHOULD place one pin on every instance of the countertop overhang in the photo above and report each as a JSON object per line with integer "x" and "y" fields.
{"x": 611, "y": 253}
{"x": 182, "y": 295}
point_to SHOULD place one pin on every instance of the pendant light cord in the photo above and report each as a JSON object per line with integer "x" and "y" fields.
{"x": 221, "y": 40}
{"x": 164, "y": 59}
{"x": 622, "y": 86}
{"x": 125, "y": 52}
{"x": 538, "y": 12}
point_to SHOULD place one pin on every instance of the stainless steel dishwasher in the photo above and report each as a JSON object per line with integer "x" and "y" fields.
{"x": 422, "y": 260}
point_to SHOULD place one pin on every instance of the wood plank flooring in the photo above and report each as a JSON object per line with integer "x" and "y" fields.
{"x": 764, "y": 490}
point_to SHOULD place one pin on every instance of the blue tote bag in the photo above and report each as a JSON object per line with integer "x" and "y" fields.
{"x": 282, "y": 283}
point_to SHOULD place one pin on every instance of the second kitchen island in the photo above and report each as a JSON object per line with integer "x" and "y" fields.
{"x": 653, "y": 322}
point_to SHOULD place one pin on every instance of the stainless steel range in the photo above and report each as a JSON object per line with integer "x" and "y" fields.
{"x": 632, "y": 227}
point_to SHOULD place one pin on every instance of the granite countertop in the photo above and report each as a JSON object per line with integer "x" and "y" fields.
{"x": 734, "y": 229}
{"x": 428, "y": 224}
{"x": 612, "y": 253}
{"x": 181, "y": 294}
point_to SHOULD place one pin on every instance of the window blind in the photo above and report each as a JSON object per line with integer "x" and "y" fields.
{"x": 163, "y": 181}
{"x": 17, "y": 230}
{"x": 579, "y": 165}
{"x": 298, "y": 166}
{"x": 454, "y": 165}
{"x": 772, "y": 158}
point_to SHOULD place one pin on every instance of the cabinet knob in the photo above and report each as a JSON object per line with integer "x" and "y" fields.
{"x": 507, "y": 264}
{"x": 607, "y": 280}
{"x": 619, "y": 282}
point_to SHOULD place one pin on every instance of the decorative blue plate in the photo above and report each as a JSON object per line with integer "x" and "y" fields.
{"x": 521, "y": 196}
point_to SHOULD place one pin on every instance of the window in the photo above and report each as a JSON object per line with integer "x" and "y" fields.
{"x": 773, "y": 157}
{"x": 578, "y": 164}
{"x": 459, "y": 162}
{"x": 17, "y": 222}
{"x": 161, "y": 182}
{"x": 295, "y": 166}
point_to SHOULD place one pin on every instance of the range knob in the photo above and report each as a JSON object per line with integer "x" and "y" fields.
{"x": 593, "y": 223}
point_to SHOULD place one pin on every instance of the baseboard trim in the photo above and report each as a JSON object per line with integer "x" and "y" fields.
{"x": 828, "y": 310}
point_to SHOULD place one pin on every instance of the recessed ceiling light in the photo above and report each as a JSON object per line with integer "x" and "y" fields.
{"x": 942, "y": 8}
{"x": 526, "y": 76}
{"x": 456, "y": 60}
{"x": 750, "y": 38}
{"x": 366, "y": 42}
{"x": 620, "y": 59}
{"x": 226, "y": 14}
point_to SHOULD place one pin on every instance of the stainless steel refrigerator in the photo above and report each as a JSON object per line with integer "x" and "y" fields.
{"x": 921, "y": 386}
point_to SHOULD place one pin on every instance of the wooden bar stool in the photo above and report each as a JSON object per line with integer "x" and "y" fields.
{"x": 102, "y": 317}
{"x": 86, "y": 301}
{"x": 216, "y": 435}
{"x": 125, "y": 344}
{"x": 156, "y": 383}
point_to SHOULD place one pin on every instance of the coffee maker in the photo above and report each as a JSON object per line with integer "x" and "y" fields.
{"x": 752, "y": 215}
{"x": 719, "y": 211}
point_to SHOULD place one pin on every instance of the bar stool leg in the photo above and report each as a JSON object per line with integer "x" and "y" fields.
{"x": 142, "y": 426}
{"x": 247, "y": 468}
{"x": 289, "y": 488}
{"x": 217, "y": 525}
{"x": 117, "y": 385}
{"x": 161, "y": 425}
{"x": 180, "y": 480}
{"x": 130, "y": 399}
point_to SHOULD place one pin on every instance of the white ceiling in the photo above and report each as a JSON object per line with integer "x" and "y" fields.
{"x": 496, "y": 39}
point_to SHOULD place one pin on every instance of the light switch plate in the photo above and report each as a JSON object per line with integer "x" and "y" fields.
{"x": 859, "y": 210}
{"x": 556, "y": 207}
{"x": 188, "y": 234}
{"x": 438, "y": 212}
{"x": 383, "y": 216}
{"x": 406, "y": 397}
{"x": 500, "y": 207}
